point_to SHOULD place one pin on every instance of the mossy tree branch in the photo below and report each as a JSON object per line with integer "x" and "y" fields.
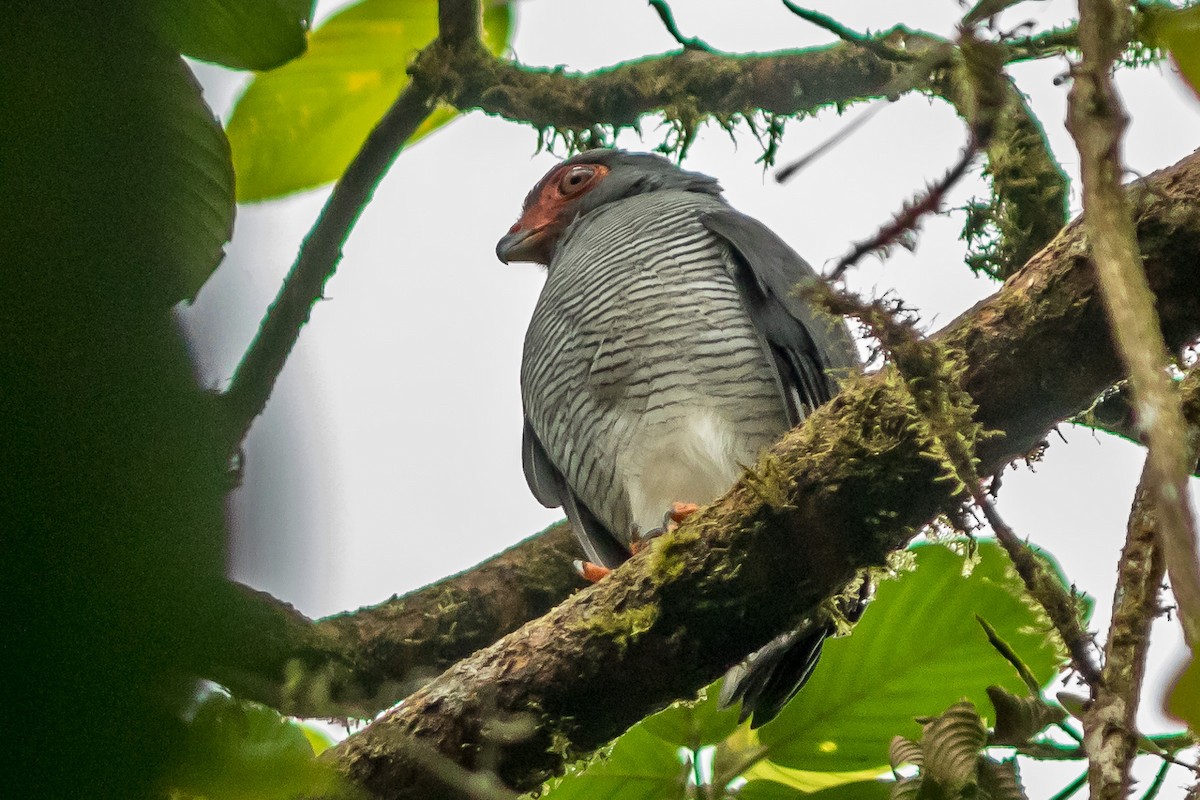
{"x": 834, "y": 496}
{"x": 359, "y": 663}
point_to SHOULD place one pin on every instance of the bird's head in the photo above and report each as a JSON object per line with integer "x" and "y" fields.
{"x": 582, "y": 184}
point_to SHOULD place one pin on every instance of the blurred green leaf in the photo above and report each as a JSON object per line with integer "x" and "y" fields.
{"x": 299, "y": 126}
{"x": 194, "y": 205}
{"x": 241, "y": 34}
{"x": 917, "y": 650}
{"x": 640, "y": 766}
{"x": 1183, "y": 696}
{"x": 318, "y": 740}
{"x": 239, "y": 750}
{"x": 808, "y": 781}
{"x": 770, "y": 790}
{"x": 694, "y": 725}
{"x": 117, "y": 198}
{"x": 1176, "y": 30}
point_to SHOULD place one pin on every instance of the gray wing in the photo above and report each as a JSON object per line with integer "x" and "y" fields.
{"x": 810, "y": 348}
{"x": 550, "y": 489}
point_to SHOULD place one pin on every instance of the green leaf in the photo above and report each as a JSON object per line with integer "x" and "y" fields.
{"x": 1183, "y": 698}
{"x": 917, "y": 650}
{"x": 299, "y": 126}
{"x": 1020, "y": 717}
{"x": 168, "y": 208}
{"x": 241, "y": 34}
{"x": 770, "y": 790}
{"x": 951, "y": 744}
{"x": 243, "y": 751}
{"x": 808, "y": 781}
{"x": 640, "y": 766}
{"x": 193, "y": 205}
{"x": 1000, "y": 779}
{"x": 1179, "y": 31}
{"x": 694, "y": 725}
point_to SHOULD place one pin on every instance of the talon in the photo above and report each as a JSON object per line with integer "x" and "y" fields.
{"x": 590, "y": 572}
{"x": 638, "y": 540}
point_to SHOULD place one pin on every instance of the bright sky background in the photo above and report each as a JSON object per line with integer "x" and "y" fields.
{"x": 389, "y": 455}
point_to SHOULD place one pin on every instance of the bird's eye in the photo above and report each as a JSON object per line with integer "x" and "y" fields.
{"x": 575, "y": 179}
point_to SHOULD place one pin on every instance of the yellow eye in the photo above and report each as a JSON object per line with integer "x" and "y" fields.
{"x": 576, "y": 178}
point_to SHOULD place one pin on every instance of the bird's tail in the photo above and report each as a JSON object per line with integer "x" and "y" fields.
{"x": 770, "y": 677}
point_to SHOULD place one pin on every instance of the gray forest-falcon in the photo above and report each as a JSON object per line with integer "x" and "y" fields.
{"x": 668, "y": 348}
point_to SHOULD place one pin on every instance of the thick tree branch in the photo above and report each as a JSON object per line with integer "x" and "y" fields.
{"x": 1109, "y": 724}
{"x": 359, "y": 663}
{"x": 1111, "y": 719}
{"x": 1097, "y": 121}
{"x": 835, "y": 495}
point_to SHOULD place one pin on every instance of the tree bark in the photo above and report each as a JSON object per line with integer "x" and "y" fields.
{"x": 359, "y": 663}
{"x": 836, "y": 495}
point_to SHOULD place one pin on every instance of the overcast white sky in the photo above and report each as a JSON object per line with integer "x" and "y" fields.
{"x": 388, "y": 457}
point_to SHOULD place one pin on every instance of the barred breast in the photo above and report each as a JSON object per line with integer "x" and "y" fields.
{"x": 643, "y": 376}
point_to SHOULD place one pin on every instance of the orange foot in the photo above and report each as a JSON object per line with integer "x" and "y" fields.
{"x": 590, "y": 572}
{"x": 678, "y": 513}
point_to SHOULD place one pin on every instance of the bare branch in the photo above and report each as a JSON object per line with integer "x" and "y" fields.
{"x": 255, "y": 376}
{"x": 1096, "y": 121}
{"x": 856, "y": 484}
{"x": 460, "y": 22}
{"x": 1110, "y": 722}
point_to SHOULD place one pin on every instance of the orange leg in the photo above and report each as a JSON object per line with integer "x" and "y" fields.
{"x": 671, "y": 520}
{"x": 590, "y": 572}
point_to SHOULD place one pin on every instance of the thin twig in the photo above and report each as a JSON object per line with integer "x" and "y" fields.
{"x": 785, "y": 174}
{"x": 1109, "y": 722}
{"x": 1159, "y": 779}
{"x": 875, "y": 44}
{"x": 909, "y": 217}
{"x": 668, "y": 21}
{"x": 1046, "y": 589}
{"x": 304, "y": 286}
{"x": 1041, "y": 45}
{"x": 1096, "y": 121}
{"x": 1110, "y": 733}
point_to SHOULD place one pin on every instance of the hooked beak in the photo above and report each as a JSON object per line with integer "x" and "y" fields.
{"x": 520, "y": 245}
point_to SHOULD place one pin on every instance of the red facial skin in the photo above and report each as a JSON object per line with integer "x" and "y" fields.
{"x": 548, "y": 209}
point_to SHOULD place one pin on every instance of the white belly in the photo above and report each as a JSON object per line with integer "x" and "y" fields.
{"x": 690, "y": 458}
